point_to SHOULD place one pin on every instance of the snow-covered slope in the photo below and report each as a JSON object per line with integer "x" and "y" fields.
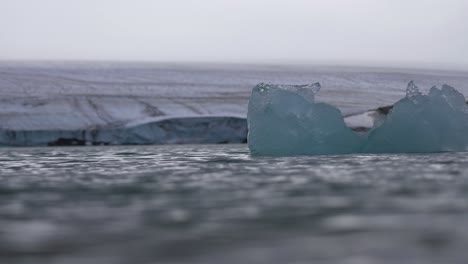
{"x": 71, "y": 112}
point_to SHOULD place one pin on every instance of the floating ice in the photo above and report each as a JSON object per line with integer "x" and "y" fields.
{"x": 285, "y": 120}
{"x": 423, "y": 123}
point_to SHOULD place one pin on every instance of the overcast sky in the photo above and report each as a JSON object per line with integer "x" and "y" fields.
{"x": 393, "y": 32}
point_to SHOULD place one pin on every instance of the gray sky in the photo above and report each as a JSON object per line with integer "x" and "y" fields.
{"x": 430, "y": 33}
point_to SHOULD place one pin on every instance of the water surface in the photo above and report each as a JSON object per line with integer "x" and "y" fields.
{"x": 217, "y": 204}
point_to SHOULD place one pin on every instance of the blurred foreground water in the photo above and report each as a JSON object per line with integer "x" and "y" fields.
{"x": 217, "y": 204}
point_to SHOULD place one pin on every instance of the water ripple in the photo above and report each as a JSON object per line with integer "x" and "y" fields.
{"x": 180, "y": 204}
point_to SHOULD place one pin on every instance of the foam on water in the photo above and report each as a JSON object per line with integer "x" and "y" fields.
{"x": 285, "y": 120}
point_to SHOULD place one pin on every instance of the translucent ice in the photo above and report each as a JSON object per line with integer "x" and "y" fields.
{"x": 423, "y": 123}
{"x": 285, "y": 120}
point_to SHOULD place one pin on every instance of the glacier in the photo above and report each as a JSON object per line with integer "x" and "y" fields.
{"x": 107, "y": 103}
{"x": 188, "y": 130}
{"x": 285, "y": 120}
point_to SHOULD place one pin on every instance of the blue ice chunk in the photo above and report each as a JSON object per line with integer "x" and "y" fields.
{"x": 284, "y": 120}
{"x": 423, "y": 123}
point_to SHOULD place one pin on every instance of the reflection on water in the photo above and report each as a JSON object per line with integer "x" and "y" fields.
{"x": 216, "y": 204}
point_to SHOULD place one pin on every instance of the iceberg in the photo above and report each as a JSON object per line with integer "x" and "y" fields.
{"x": 435, "y": 122}
{"x": 285, "y": 120}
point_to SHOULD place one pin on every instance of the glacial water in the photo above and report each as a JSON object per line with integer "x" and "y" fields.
{"x": 218, "y": 204}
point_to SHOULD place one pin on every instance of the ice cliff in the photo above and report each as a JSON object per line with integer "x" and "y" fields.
{"x": 188, "y": 130}
{"x": 285, "y": 120}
